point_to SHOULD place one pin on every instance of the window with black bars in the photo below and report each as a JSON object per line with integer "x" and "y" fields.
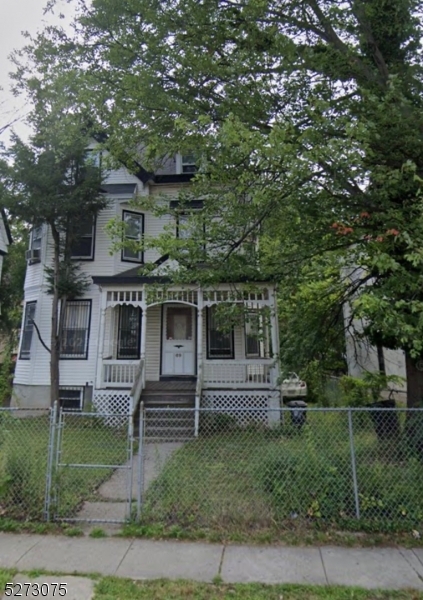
{"x": 220, "y": 340}
{"x": 129, "y": 332}
{"x": 28, "y": 330}
{"x": 75, "y": 329}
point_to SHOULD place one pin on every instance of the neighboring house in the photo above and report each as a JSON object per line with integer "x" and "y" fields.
{"x": 362, "y": 356}
{"x": 5, "y": 239}
{"x": 128, "y": 329}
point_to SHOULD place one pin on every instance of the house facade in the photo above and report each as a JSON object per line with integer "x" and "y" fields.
{"x": 134, "y": 338}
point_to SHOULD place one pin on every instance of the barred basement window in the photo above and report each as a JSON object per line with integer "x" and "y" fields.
{"x": 28, "y": 330}
{"x": 76, "y": 329}
{"x": 220, "y": 341}
{"x": 71, "y": 399}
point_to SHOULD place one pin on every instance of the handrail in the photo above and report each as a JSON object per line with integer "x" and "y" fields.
{"x": 138, "y": 386}
{"x": 198, "y": 392}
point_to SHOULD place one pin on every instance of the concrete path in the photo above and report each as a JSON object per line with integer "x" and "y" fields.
{"x": 386, "y": 568}
{"x": 113, "y": 494}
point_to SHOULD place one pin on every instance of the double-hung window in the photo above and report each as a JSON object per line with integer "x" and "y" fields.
{"x": 28, "y": 330}
{"x": 132, "y": 236}
{"x": 220, "y": 340}
{"x": 129, "y": 332}
{"x": 189, "y": 163}
{"x": 256, "y": 338}
{"x": 33, "y": 255}
{"x": 83, "y": 246}
{"x": 75, "y": 329}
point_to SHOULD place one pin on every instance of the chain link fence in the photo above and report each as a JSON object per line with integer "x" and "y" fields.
{"x": 344, "y": 467}
{"x": 249, "y": 470}
{"x": 24, "y": 451}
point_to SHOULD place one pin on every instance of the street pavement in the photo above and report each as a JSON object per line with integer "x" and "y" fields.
{"x": 138, "y": 559}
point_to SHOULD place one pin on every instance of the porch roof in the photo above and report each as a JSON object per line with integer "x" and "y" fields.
{"x": 129, "y": 276}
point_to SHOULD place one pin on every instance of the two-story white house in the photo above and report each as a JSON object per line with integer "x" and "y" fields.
{"x": 129, "y": 329}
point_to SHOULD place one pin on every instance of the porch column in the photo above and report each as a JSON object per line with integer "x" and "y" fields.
{"x": 100, "y": 350}
{"x": 143, "y": 343}
{"x": 200, "y": 330}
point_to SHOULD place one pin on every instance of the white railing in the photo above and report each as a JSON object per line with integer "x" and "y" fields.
{"x": 238, "y": 373}
{"x": 119, "y": 373}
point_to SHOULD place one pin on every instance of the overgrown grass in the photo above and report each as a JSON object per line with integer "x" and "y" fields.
{"x": 111, "y": 588}
{"x": 23, "y": 463}
{"x": 247, "y": 481}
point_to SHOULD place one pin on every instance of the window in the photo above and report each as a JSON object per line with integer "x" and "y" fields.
{"x": 256, "y": 340}
{"x": 134, "y": 229}
{"x": 129, "y": 332}
{"x": 220, "y": 341}
{"x": 189, "y": 163}
{"x": 93, "y": 157}
{"x": 33, "y": 255}
{"x": 76, "y": 329}
{"x": 83, "y": 246}
{"x": 28, "y": 329}
{"x": 36, "y": 237}
{"x": 182, "y": 230}
{"x": 71, "y": 399}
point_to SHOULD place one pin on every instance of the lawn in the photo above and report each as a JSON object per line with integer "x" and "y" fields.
{"x": 23, "y": 463}
{"x": 113, "y": 588}
{"x": 122, "y": 589}
{"x": 254, "y": 480}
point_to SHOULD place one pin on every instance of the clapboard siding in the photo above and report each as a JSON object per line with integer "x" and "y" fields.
{"x": 153, "y": 343}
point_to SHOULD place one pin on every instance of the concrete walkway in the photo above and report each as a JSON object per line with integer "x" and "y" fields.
{"x": 387, "y": 568}
{"x": 112, "y": 503}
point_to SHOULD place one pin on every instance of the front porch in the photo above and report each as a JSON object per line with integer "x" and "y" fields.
{"x": 149, "y": 335}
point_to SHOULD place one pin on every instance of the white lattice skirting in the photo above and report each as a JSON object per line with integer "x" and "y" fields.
{"x": 111, "y": 404}
{"x": 246, "y": 407}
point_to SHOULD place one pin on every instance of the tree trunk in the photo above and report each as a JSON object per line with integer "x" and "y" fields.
{"x": 414, "y": 383}
{"x": 55, "y": 333}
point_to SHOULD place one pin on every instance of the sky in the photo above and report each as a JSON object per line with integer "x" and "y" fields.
{"x": 17, "y": 16}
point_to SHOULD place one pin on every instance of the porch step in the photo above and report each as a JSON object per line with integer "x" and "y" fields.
{"x": 176, "y": 400}
{"x": 169, "y": 425}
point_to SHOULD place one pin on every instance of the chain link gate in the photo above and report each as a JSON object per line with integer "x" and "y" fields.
{"x": 90, "y": 470}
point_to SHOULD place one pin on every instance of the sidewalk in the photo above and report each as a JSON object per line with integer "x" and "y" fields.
{"x": 388, "y": 568}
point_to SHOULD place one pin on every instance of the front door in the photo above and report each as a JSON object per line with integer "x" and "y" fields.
{"x": 178, "y": 340}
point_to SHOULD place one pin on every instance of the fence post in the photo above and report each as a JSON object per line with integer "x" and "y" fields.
{"x": 50, "y": 454}
{"x": 140, "y": 481}
{"x": 130, "y": 462}
{"x": 353, "y": 465}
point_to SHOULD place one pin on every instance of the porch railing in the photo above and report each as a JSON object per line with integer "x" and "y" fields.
{"x": 119, "y": 373}
{"x": 238, "y": 373}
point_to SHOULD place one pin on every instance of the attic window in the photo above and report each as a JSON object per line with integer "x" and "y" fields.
{"x": 189, "y": 163}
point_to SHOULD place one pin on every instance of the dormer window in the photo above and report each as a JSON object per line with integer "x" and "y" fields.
{"x": 186, "y": 163}
{"x": 189, "y": 163}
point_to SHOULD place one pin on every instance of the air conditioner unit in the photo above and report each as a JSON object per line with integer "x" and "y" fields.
{"x": 33, "y": 255}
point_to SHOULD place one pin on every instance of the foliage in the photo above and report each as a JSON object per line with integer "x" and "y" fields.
{"x": 12, "y": 283}
{"x": 363, "y": 391}
{"x": 307, "y": 121}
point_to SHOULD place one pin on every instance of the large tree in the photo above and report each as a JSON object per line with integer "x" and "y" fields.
{"x": 50, "y": 181}
{"x": 307, "y": 119}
